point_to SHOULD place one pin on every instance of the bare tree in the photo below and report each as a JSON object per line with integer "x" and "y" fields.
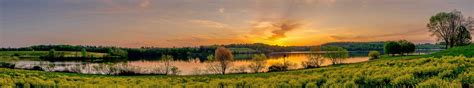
{"x": 451, "y": 27}
{"x": 258, "y": 62}
{"x": 166, "y": 59}
{"x": 224, "y": 57}
{"x": 314, "y": 61}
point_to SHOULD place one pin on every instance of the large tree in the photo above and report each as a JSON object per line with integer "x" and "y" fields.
{"x": 224, "y": 57}
{"x": 451, "y": 28}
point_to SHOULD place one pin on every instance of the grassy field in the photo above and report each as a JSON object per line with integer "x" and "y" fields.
{"x": 16, "y": 55}
{"x": 416, "y": 71}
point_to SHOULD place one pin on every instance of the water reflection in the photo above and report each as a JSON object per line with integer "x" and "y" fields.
{"x": 191, "y": 67}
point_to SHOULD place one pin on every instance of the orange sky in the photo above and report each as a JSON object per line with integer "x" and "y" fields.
{"x": 178, "y": 23}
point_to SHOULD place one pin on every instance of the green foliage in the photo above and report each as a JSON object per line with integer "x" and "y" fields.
{"x": 84, "y": 52}
{"x": 406, "y": 47}
{"x": 357, "y": 46}
{"x": 401, "y": 47}
{"x": 374, "y": 54}
{"x": 52, "y": 53}
{"x": 392, "y": 47}
{"x": 467, "y": 51}
{"x": 118, "y": 52}
{"x": 451, "y": 28}
{"x": 210, "y": 58}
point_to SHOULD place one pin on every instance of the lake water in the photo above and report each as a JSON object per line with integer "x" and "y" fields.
{"x": 191, "y": 67}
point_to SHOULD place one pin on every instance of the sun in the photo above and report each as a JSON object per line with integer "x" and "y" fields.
{"x": 279, "y": 42}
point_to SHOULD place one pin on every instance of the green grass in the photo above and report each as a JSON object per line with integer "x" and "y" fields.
{"x": 467, "y": 51}
{"x": 419, "y": 71}
{"x": 36, "y": 54}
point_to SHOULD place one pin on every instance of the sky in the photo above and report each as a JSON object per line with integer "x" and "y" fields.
{"x": 188, "y": 23}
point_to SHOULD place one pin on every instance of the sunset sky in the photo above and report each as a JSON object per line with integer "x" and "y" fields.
{"x": 168, "y": 23}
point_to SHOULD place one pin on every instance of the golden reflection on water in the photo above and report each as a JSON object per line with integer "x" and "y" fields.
{"x": 190, "y": 67}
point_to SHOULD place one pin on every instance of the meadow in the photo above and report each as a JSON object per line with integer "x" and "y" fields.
{"x": 450, "y": 68}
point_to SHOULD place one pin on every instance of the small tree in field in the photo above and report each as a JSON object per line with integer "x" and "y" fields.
{"x": 166, "y": 59}
{"x": 374, "y": 54}
{"x": 224, "y": 57}
{"x": 258, "y": 62}
{"x": 406, "y": 47}
{"x": 391, "y": 48}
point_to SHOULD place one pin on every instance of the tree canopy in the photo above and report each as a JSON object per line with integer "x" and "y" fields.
{"x": 451, "y": 27}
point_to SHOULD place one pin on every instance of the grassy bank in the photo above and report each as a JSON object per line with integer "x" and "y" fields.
{"x": 35, "y": 55}
{"x": 422, "y": 71}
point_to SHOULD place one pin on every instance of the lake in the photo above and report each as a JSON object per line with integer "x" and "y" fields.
{"x": 190, "y": 67}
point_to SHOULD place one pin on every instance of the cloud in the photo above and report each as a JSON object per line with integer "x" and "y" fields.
{"x": 195, "y": 40}
{"x": 367, "y": 37}
{"x": 144, "y": 3}
{"x": 209, "y": 23}
{"x": 221, "y": 10}
{"x": 277, "y": 29}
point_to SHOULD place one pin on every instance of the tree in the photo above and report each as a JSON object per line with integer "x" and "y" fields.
{"x": 314, "y": 61}
{"x": 374, "y": 54}
{"x": 118, "y": 52}
{"x": 391, "y": 48}
{"x": 464, "y": 38}
{"x": 52, "y": 53}
{"x": 224, "y": 57}
{"x": 451, "y": 27}
{"x": 258, "y": 62}
{"x": 84, "y": 52}
{"x": 166, "y": 59}
{"x": 406, "y": 47}
{"x": 335, "y": 54}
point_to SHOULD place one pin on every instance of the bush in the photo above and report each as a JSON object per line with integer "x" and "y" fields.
{"x": 435, "y": 83}
{"x": 278, "y": 67}
{"x": 374, "y": 54}
{"x": 404, "y": 80}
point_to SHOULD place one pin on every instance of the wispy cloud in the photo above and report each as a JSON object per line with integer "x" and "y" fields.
{"x": 209, "y": 23}
{"x": 368, "y": 37}
{"x": 144, "y": 3}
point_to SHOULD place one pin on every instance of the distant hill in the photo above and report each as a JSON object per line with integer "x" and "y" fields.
{"x": 368, "y": 46}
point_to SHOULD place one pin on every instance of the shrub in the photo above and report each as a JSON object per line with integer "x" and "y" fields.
{"x": 278, "y": 67}
{"x": 404, "y": 80}
{"x": 435, "y": 83}
{"x": 374, "y": 54}
{"x": 174, "y": 70}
